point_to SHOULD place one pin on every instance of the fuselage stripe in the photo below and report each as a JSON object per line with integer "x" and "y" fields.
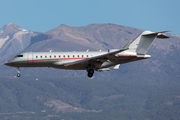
{"x": 75, "y": 59}
{"x": 49, "y": 59}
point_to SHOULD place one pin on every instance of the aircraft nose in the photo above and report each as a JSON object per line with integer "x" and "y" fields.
{"x": 7, "y": 63}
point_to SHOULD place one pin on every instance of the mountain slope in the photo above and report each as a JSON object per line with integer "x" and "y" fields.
{"x": 70, "y": 98}
{"x": 13, "y": 39}
{"x": 93, "y": 37}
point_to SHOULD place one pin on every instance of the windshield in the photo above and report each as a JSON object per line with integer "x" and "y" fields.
{"x": 19, "y": 56}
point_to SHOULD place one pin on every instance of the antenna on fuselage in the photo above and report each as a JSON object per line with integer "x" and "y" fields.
{"x": 87, "y": 50}
{"x": 50, "y": 51}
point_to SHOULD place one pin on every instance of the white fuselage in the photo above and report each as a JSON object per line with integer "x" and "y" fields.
{"x": 58, "y": 59}
{"x": 90, "y": 61}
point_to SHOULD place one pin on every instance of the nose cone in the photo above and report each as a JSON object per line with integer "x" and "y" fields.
{"x": 8, "y": 63}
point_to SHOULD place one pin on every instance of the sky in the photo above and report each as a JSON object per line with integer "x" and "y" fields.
{"x": 44, "y": 15}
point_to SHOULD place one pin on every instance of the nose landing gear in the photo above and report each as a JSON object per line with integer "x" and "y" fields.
{"x": 18, "y": 72}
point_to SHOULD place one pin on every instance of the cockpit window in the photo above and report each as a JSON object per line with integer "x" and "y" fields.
{"x": 19, "y": 55}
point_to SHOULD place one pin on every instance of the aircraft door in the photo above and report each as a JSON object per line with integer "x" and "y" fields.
{"x": 30, "y": 58}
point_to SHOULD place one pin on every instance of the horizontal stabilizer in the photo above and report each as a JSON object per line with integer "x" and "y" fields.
{"x": 158, "y": 34}
{"x": 162, "y": 36}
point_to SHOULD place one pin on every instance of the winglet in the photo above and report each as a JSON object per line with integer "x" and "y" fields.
{"x": 127, "y": 45}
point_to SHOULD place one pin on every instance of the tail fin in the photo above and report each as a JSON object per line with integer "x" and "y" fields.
{"x": 142, "y": 43}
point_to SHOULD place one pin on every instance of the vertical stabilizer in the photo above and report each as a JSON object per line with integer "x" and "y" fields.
{"x": 142, "y": 43}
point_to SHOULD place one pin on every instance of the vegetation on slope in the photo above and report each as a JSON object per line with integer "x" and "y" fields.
{"x": 24, "y": 98}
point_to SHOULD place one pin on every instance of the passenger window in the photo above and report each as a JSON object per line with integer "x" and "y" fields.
{"x": 59, "y": 56}
{"x": 82, "y": 56}
{"x": 45, "y": 56}
{"x": 73, "y": 56}
{"x": 68, "y": 56}
{"x": 78, "y": 56}
{"x": 50, "y": 56}
{"x": 87, "y": 55}
{"x": 36, "y": 56}
{"x": 41, "y": 56}
{"x": 54, "y": 56}
{"x": 64, "y": 56}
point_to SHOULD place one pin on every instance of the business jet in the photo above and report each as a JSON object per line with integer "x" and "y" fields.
{"x": 89, "y": 60}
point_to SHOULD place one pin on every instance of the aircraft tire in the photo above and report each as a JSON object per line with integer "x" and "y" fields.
{"x": 18, "y": 74}
{"x": 91, "y": 71}
{"x": 90, "y": 75}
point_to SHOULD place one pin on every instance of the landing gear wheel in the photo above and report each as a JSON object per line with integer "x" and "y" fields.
{"x": 18, "y": 74}
{"x": 90, "y": 73}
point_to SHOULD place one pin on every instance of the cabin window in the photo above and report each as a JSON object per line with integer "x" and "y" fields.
{"x": 78, "y": 56}
{"x": 64, "y": 56}
{"x": 54, "y": 56}
{"x": 73, "y": 56}
{"x": 36, "y": 56}
{"x": 82, "y": 56}
{"x": 59, "y": 56}
{"x": 87, "y": 55}
{"x": 19, "y": 55}
{"x": 68, "y": 56}
{"x": 50, "y": 56}
{"x": 41, "y": 56}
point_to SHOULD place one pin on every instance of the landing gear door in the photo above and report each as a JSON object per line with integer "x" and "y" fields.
{"x": 30, "y": 58}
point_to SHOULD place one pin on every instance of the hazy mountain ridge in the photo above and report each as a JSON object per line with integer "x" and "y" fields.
{"x": 13, "y": 39}
{"x": 94, "y": 36}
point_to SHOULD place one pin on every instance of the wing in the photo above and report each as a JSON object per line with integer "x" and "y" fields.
{"x": 100, "y": 58}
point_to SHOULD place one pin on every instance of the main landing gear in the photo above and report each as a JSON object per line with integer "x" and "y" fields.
{"x": 18, "y": 72}
{"x": 90, "y": 72}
